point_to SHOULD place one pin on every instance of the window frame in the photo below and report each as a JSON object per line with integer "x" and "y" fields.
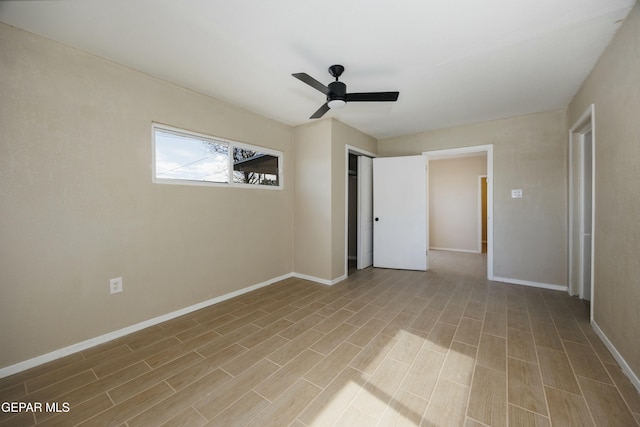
{"x": 231, "y": 145}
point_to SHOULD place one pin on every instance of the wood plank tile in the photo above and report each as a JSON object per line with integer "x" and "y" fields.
{"x": 264, "y": 334}
{"x": 569, "y": 330}
{"x": 373, "y": 354}
{"x": 332, "y": 322}
{"x": 487, "y": 399}
{"x": 518, "y": 319}
{"x": 460, "y": 363}
{"x": 422, "y": 377}
{"x": 492, "y": 352}
{"x": 520, "y": 345}
{"x": 365, "y": 334}
{"x": 522, "y": 418}
{"x": 187, "y": 418}
{"x": 399, "y": 323}
{"x": 363, "y": 315}
{"x": 626, "y": 388}
{"x": 585, "y": 362}
{"x": 425, "y": 320}
{"x": 382, "y": 347}
{"x": 468, "y": 331}
{"x": 448, "y": 404}
{"x": 567, "y": 409}
{"x": 329, "y": 405}
{"x": 475, "y": 310}
{"x": 378, "y": 390}
{"x": 301, "y": 326}
{"x": 525, "y": 387}
{"x": 175, "y": 351}
{"x": 451, "y": 314}
{"x": 606, "y": 404}
{"x": 325, "y": 371}
{"x": 46, "y": 378}
{"x": 495, "y": 324}
{"x": 131, "y": 388}
{"x": 221, "y": 397}
{"x": 204, "y": 367}
{"x": 406, "y": 348}
{"x": 440, "y": 337}
{"x": 227, "y": 340}
{"x": 405, "y": 410}
{"x": 294, "y": 347}
{"x": 79, "y": 413}
{"x": 545, "y": 335}
{"x": 286, "y": 376}
{"x": 241, "y": 412}
{"x": 333, "y": 339}
{"x": 179, "y": 401}
{"x": 557, "y": 371}
{"x": 247, "y": 359}
{"x": 354, "y": 417}
{"x": 122, "y": 412}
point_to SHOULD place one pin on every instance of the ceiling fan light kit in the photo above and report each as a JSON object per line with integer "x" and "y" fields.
{"x": 336, "y": 92}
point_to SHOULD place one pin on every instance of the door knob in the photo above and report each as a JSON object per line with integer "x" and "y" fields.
{"x": 377, "y": 219}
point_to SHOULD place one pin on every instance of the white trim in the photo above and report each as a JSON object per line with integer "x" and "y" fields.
{"x": 318, "y": 279}
{"x": 92, "y": 342}
{"x": 480, "y": 212}
{"x": 586, "y": 122}
{"x": 530, "y": 283}
{"x": 471, "y": 251}
{"x": 462, "y": 152}
{"x": 626, "y": 369}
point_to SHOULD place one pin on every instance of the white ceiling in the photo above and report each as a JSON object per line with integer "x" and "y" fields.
{"x": 454, "y": 62}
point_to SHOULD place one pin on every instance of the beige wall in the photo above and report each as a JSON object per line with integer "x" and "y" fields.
{"x": 312, "y": 217}
{"x": 529, "y": 152}
{"x": 614, "y": 87}
{"x": 77, "y": 205}
{"x": 320, "y": 155}
{"x": 454, "y": 202}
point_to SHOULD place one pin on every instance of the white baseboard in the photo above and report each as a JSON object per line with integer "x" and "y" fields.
{"x": 92, "y": 342}
{"x": 319, "y": 280}
{"x": 528, "y": 283}
{"x": 471, "y": 251}
{"x": 616, "y": 355}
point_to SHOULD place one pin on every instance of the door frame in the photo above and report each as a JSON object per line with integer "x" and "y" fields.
{"x": 465, "y": 151}
{"x": 583, "y": 125}
{"x": 358, "y": 152}
{"x": 480, "y": 211}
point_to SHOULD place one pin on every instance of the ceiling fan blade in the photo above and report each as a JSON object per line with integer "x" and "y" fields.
{"x": 321, "y": 111}
{"x": 306, "y": 78}
{"x": 373, "y": 97}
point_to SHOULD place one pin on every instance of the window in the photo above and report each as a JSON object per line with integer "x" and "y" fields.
{"x": 183, "y": 157}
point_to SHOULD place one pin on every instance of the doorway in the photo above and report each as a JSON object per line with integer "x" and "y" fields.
{"x": 359, "y": 209}
{"x": 469, "y": 151}
{"x": 581, "y": 206}
{"x": 482, "y": 211}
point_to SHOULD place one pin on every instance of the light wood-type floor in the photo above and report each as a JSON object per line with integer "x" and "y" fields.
{"x": 438, "y": 348}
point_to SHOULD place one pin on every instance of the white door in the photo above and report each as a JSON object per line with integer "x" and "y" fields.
{"x": 365, "y": 212}
{"x": 400, "y": 212}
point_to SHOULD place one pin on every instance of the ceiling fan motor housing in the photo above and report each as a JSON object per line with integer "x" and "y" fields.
{"x": 337, "y": 91}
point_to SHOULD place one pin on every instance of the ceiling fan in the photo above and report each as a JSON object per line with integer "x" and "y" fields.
{"x": 336, "y": 92}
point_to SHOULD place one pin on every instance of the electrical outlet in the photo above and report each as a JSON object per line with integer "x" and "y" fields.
{"x": 115, "y": 285}
{"x": 516, "y": 193}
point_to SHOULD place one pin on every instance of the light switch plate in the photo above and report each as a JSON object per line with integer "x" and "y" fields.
{"x": 516, "y": 193}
